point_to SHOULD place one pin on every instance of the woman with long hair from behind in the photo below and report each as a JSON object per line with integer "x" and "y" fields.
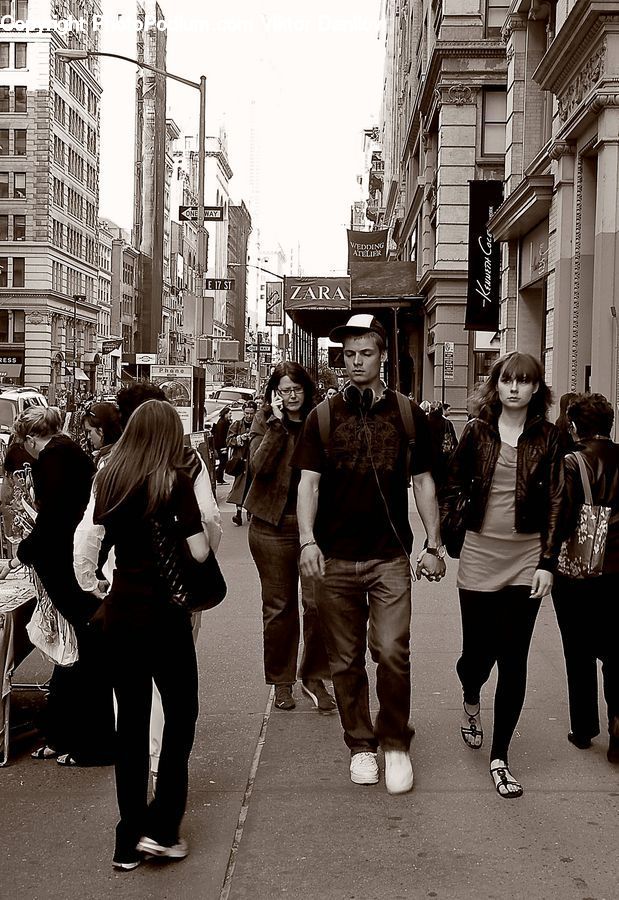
{"x": 148, "y": 637}
{"x": 509, "y": 463}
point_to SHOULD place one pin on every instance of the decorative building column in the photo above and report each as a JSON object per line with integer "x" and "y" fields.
{"x": 515, "y": 37}
{"x": 606, "y": 262}
{"x": 561, "y": 290}
{"x": 38, "y": 343}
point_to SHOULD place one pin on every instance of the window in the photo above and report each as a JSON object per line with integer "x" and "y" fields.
{"x": 21, "y": 56}
{"x": 19, "y": 228}
{"x": 5, "y": 7}
{"x": 20, "y": 185}
{"x": 496, "y": 13}
{"x": 19, "y": 142}
{"x": 4, "y": 141}
{"x": 4, "y": 228}
{"x": 494, "y": 113}
{"x": 19, "y": 326}
{"x": 4, "y": 98}
{"x": 4, "y": 271}
{"x": 21, "y": 9}
{"x": 4, "y": 184}
{"x": 18, "y": 271}
{"x": 4, "y": 55}
{"x": 21, "y": 99}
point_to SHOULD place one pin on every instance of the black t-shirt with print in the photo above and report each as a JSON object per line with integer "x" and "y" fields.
{"x": 352, "y": 520}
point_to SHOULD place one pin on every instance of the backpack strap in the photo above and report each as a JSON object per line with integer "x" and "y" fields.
{"x": 406, "y": 413}
{"x": 323, "y": 411}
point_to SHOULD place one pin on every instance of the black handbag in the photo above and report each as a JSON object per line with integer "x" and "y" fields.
{"x": 453, "y": 524}
{"x": 235, "y": 466}
{"x": 192, "y": 585}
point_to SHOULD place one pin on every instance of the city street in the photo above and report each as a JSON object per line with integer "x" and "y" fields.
{"x": 272, "y": 812}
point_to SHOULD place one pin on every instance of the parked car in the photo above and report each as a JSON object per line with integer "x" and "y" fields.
{"x": 236, "y": 411}
{"x": 13, "y": 401}
{"x": 233, "y": 394}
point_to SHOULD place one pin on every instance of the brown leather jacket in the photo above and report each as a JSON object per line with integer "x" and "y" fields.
{"x": 539, "y": 480}
{"x": 602, "y": 463}
{"x": 271, "y": 446}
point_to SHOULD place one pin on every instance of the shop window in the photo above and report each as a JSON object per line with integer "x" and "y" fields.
{"x": 4, "y": 185}
{"x": 4, "y": 228}
{"x": 4, "y": 141}
{"x": 4, "y": 326}
{"x": 494, "y": 115}
{"x": 4, "y": 271}
{"x": 19, "y": 228}
{"x": 4, "y": 98}
{"x": 19, "y": 146}
{"x": 19, "y": 326}
{"x": 4, "y": 55}
{"x": 18, "y": 271}
{"x": 21, "y": 99}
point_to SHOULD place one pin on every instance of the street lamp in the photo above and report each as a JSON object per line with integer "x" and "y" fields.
{"x": 72, "y": 55}
{"x": 76, "y": 297}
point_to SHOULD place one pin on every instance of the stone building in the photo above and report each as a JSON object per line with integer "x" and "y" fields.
{"x": 559, "y": 222}
{"x": 49, "y": 162}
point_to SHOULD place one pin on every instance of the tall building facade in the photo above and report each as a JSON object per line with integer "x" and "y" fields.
{"x": 239, "y": 230}
{"x": 442, "y": 126}
{"x": 49, "y": 162}
{"x": 559, "y": 222}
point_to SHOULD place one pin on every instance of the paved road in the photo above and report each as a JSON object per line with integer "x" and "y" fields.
{"x": 273, "y": 814}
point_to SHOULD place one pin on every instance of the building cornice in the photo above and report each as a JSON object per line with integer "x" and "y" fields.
{"x": 463, "y": 51}
{"x": 523, "y": 209}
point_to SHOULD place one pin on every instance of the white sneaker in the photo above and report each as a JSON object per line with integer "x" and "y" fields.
{"x": 363, "y": 768}
{"x": 398, "y": 771}
{"x": 175, "y": 851}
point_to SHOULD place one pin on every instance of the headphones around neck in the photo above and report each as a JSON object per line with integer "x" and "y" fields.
{"x": 362, "y": 400}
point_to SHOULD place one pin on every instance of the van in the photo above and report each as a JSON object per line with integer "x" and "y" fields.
{"x": 13, "y": 401}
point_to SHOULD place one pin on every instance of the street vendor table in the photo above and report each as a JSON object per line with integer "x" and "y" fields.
{"x": 17, "y": 600}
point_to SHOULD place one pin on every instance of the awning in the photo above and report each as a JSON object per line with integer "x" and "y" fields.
{"x": 80, "y": 375}
{"x": 10, "y": 370}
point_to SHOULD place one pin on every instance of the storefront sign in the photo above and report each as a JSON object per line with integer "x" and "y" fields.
{"x": 482, "y": 301}
{"x": 448, "y": 361}
{"x": 307, "y": 292}
{"x": 367, "y": 245}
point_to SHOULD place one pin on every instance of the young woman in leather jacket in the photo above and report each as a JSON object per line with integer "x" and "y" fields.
{"x": 274, "y": 541}
{"x": 587, "y": 611}
{"x": 509, "y": 463}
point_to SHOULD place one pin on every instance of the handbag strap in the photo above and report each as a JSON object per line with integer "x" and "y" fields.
{"x": 586, "y": 484}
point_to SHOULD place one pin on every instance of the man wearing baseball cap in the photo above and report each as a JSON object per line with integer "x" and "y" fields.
{"x": 355, "y": 459}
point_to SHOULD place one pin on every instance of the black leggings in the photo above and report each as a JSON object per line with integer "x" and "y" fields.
{"x": 496, "y": 628}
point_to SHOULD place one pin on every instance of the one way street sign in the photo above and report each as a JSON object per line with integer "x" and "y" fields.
{"x": 211, "y": 213}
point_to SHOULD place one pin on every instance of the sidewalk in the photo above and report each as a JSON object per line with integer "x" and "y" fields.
{"x": 300, "y": 829}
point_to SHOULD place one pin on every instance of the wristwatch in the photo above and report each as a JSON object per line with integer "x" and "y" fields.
{"x": 436, "y": 551}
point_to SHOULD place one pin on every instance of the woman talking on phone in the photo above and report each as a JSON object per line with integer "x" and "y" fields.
{"x": 509, "y": 463}
{"x": 274, "y": 541}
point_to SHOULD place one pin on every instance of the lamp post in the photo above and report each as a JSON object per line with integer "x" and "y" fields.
{"x": 281, "y": 278}
{"x": 72, "y": 55}
{"x": 76, "y": 297}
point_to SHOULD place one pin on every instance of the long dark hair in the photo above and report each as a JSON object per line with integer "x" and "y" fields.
{"x": 149, "y": 452}
{"x": 522, "y": 366}
{"x": 299, "y": 375}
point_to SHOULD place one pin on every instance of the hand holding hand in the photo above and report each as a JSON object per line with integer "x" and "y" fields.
{"x": 431, "y": 567}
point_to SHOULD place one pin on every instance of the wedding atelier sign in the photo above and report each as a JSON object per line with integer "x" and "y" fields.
{"x": 367, "y": 245}
{"x": 483, "y": 293}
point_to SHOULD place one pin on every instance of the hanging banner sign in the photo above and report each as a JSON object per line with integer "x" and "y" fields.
{"x": 307, "y": 292}
{"x": 483, "y": 293}
{"x": 367, "y": 245}
{"x": 274, "y": 302}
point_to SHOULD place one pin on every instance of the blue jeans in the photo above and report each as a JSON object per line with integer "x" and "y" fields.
{"x": 275, "y": 550}
{"x": 351, "y": 594}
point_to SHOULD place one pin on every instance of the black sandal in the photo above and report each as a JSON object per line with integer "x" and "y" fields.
{"x": 67, "y": 760}
{"x": 44, "y": 752}
{"x": 472, "y": 734}
{"x": 503, "y": 779}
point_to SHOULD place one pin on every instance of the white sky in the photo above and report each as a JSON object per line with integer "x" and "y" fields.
{"x": 312, "y": 71}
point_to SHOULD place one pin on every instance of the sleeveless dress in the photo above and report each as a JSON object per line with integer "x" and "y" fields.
{"x": 498, "y": 556}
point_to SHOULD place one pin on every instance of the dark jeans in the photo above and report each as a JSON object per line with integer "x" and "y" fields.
{"x": 141, "y": 649}
{"x": 222, "y": 459}
{"x": 276, "y": 553}
{"x": 588, "y": 616}
{"x": 497, "y": 627}
{"x": 351, "y": 594}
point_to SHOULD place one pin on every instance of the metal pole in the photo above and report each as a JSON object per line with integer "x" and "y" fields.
{"x": 396, "y": 350}
{"x": 74, "y": 346}
{"x": 201, "y": 166}
{"x": 258, "y": 358}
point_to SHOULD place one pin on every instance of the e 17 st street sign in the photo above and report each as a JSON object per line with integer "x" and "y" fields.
{"x": 211, "y": 213}
{"x": 219, "y": 284}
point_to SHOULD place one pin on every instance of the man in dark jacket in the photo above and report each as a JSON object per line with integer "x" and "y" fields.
{"x": 220, "y": 436}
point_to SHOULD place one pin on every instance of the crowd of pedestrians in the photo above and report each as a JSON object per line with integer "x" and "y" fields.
{"x": 324, "y": 486}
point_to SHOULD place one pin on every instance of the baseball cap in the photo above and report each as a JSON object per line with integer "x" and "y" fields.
{"x": 358, "y": 324}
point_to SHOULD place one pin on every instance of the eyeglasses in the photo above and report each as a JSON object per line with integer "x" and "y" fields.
{"x": 287, "y": 392}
